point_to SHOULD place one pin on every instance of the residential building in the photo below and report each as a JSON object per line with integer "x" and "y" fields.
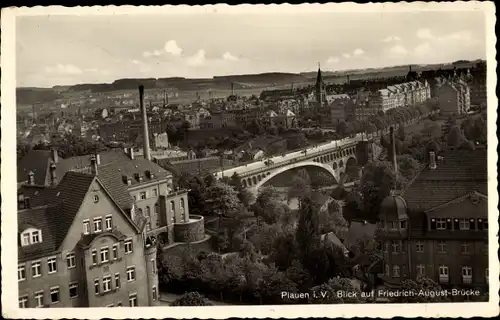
{"x": 339, "y": 108}
{"x": 137, "y": 184}
{"x": 453, "y": 97}
{"x": 78, "y": 248}
{"x": 438, "y": 226}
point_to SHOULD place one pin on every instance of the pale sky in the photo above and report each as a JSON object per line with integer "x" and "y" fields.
{"x": 65, "y": 50}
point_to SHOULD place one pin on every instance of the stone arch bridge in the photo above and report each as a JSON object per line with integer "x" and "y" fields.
{"x": 337, "y": 159}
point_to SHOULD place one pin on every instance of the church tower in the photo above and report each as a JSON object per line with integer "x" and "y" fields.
{"x": 320, "y": 89}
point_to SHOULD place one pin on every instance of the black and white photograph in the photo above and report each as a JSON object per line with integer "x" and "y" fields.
{"x": 252, "y": 160}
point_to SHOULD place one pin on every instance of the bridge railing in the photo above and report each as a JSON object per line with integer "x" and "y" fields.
{"x": 291, "y": 161}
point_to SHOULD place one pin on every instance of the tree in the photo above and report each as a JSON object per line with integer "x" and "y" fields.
{"x": 431, "y": 130}
{"x": 273, "y": 283}
{"x": 400, "y": 134}
{"x": 377, "y": 181}
{"x": 424, "y": 290}
{"x": 332, "y": 219}
{"x": 407, "y": 166}
{"x": 284, "y": 251}
{"x": 455, "y": 137}
{"x": 298, "y": 274}
{"x": 192, "y": 299}
{"x": 223, "y": 200}
{"x": 341, "y": 128}
{"x": 268, "y": 206}
{"x": 307, "y": 232}
{"x": 263, "y": 237}
{"x": 467, "y": 145}
{"x": 301, "y": 185}
{"x": 255, "y": 128}
{"x": 296, "y": 141}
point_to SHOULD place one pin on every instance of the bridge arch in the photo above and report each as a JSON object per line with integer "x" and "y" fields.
{"x": 352, "y": 168}
{"x": 272, "y": 174}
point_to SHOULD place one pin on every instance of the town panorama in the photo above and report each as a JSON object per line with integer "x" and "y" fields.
{"x": 366, "y": 185}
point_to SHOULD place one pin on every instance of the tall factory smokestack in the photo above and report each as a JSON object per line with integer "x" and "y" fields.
{"x": 232, "y": 88}
{"x": 145, "y": 132}
{"x": 393, "y": 149}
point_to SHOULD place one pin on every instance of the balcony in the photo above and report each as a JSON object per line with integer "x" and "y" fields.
{"x": 467, "y": 279}
{"x": 444, "y": 278}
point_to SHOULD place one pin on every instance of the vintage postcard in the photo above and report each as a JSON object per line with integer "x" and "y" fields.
{"x": 259, "y": 161}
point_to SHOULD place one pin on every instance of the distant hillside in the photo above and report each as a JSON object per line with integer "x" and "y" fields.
{"x": 264, "y": 78}
{"x": 35, "y": 95}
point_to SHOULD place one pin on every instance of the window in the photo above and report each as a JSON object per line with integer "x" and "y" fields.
{"x": 464, "y": 224}
{"x": 442, "y": 246}
{"x": 148, "y": 225}
{"x": 115, "y": 251}
{"x": 420, "y": 246}
{"x": 132, "y": 300}
{"x": 156, "y": 208}
{"x": 142, "y": 196}
{"x": 153, "y": 265}
{"x": 109, "y": 222}
{"x": 387, "y": 273}
{"x": 467, "y": 274}
{"x": 36, "y": 269}
{"x": 128, "y": 246}
{"x": 148, "y": 211}
{"x": 35, "y": 237}
{"x": 157, "y": 222}
{"x": 397, "y": 246}
{"x": 172, "y": 206}
{"x": 104, "y": 255}
{"x": 154, "y": 294}
{"x": 94, "y": 256}
{"x": 441, "y": 224}
{"x": 86, "y": 226}
{"x": 73, "y": 290}
{"x": 70, "y": 260}
{"x": 485, "y": 224}
{"x": 465, "y": 247}
{"x": 39, "y": 299}
{"x": 21, "y": 272}
{"x": 402, "y": 225}
{"x": 106, "y": 283}
{"x": 23, "y": 302}
{"x": 443, "y": 272}
{"x": 117, "y": 280}
{"x": 396, "y": 271}
{"x": 97, "y": 225}
{"x": 96, "y": 198}
{"x": 54, "y": 294}
{"x": 52, "y": 264}
{"x": 25, "y": 239}
{"x": 130, "y": 273}
{"x": 420, "y": 270}
{"x": 182, "y": 203}
{"x": 392, "y": 225}
{"x": 155, "y": 192}
{"x": 97, "y": 288}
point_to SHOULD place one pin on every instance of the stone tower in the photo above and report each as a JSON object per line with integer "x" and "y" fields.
{"x": 320, "y": 89}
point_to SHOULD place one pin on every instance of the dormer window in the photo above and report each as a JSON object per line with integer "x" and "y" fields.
{"x": 31, "y": 236}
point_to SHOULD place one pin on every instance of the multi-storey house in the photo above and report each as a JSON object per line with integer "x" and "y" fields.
{"x": 438, "y": 226}
{"x": 453, "y": 97}
{"x": 78, "y": 248}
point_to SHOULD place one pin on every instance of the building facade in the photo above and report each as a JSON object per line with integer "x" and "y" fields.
{"x": 453, "y": 97}
{"x": 438, "y": 226}
{"x": 78, "y": 248}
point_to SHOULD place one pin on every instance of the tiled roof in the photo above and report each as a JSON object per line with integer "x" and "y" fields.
{"x": 114, "y": 166}
{"x": 36, "y": 161}
{"x": 56, "y": 219}
{"x": 458, "y": 173}
{"x": 43, "y": 218}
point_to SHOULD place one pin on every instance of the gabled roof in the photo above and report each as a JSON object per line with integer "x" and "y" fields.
{"x": 458, "y": 173}
{"x": 36, "y": 161}
{"x": 56, "y": 218}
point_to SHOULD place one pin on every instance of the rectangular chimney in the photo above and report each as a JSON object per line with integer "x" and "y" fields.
{"x": 393, "y": 149}
{"x": 432, "y": 160}
{"x": 93, "y": 165}
{"x": 145, "y": 133}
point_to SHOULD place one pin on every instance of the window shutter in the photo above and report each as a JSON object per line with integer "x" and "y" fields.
{"x": 449, "y": 224}
{"x": 456, "y": 224}
{"x": 472, "y": 224}
{"x": 433, "y": 224}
